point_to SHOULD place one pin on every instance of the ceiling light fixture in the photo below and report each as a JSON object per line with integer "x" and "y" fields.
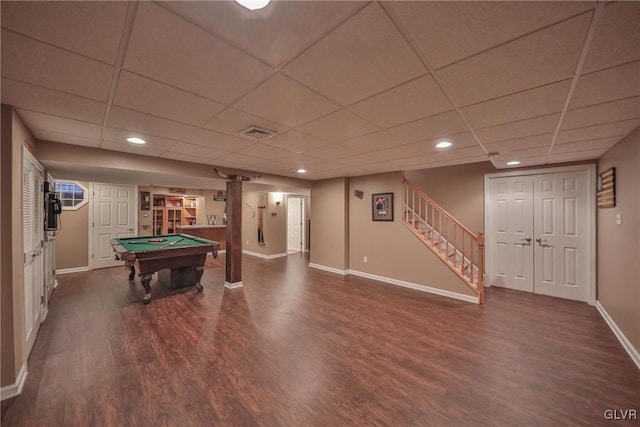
{"x": 444, "y": 144}
{"x": 513, "y": 163}
{"x": 253, "y": 4}
{"x": 302, "y": 170}
{"x": 136, "y": 140}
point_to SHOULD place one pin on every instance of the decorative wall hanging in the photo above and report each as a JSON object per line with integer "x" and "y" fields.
{"x": 382, "y": 206}
{"x": 606, "y": 188}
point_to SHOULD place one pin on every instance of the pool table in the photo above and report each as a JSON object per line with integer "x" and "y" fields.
{"x": 155, "y": 253}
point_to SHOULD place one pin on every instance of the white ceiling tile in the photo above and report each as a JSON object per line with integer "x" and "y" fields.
{"x": 459, "y": 140}
{"x": 443, "y": 32}
{"x": 40, "y": 64}
{"x": 35, "y": 98}
{"x": 607, "y": 85}
{"x": 519, "y": 129}
{"x": 525, "y": 153}
{"x": 217, "y": 140}
{"x": 599, "y": 131}
{"x": 327, "y": 165}
{"x": 338, "y": 126}
{"x": 432, "y": 127}
{"x": 617, "y": 37}
{"x": 543, "y": 57}
{"x": 593, "y": 144}
{"x": 576, "y": 156}
{"x": 543, "y": 140}
{"x": 144, "y": 150}
{"x": 119, "y": 136}
{"x": 532, "y": 103}
{"x": 266, "y": 152}
{"x": 151, "y": 125}
{"x": 59, "y": 23}
{"x": 602, "y": 113}
{"x": 285, "y": 101}
{"x": 361, "y": 160}
{"x": 161, "y": 44}
{"x": 372, "y": 141}
{"x": 232, "y": 121}
{"x": 408, "y": 102}
{"x": 395, "y": 153}
{"x": 44, "y": 135}
{"x": 291, "y": 26}
{"x": 237, "y": 160}
{"x": 141, "y": 94}
{"x": 362, "y": 57}
{"x": 295, "y": 141}
{"x": 333, "y": 151}
{"x": 203, "y": 153}
{"x": 61, "y": 125}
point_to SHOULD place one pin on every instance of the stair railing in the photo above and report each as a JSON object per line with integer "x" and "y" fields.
{"x": 460, "y": 249}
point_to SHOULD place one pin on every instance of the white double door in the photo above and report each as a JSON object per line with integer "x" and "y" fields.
{"x": 540, "y": 232}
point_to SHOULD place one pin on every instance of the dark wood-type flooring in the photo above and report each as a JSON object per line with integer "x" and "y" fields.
{"x": 302, "y": 347}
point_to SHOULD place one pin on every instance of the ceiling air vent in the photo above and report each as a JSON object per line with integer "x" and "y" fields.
{"x": 256, "y": 133}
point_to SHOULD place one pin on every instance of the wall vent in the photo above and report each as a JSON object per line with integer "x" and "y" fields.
{"x": 256, "y": 133}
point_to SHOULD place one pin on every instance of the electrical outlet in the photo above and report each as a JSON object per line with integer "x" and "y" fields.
{"x": 247, "y": 243}
{"x": 618, "y": 219}
{"x": 365, "y": 259}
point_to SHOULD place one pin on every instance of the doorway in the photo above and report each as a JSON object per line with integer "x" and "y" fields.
{"x": 295, "y": 224}
{"x": 540, "y": 231}
{"x": 113, "y": 213}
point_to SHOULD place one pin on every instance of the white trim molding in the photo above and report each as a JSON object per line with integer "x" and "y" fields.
{"x": 15, "y": 389}
{"x": 71, "y": 270}
{"x": 234, "y": 285}
{"x": 631, "y": 350}
{"x": 263, "y": 256}
{"x": 329, "y": 269}
{"x": 423, "y": 288}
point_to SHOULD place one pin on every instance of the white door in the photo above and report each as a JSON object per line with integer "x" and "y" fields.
{"x": 113, "y": 215}
{"x": 539, "y": 233}
{"x": 33, "y": 241}
{"x": 294, "y": 224}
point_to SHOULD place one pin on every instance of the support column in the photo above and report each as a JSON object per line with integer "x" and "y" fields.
{"x": 233, "y": 274}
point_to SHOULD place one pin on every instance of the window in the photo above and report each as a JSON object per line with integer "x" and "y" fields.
{"x": 72, "y": 195}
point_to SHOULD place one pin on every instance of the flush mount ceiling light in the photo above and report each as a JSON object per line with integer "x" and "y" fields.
{"x": 444, "y": 144}
{"x": 136, "y": 140}
{"x": 302, "y": 170}
{"x": 513, "y": 163}
{"x": 253, "y": 4}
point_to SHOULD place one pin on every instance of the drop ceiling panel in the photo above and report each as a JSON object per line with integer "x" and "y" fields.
{"x": 460, "y": 140}
{"x": 285, "y": 101}
{"x": 362, "y": 57}
{"x": 217, "y": 140}
{"x": 119, "y": 136}
{"x": 134, "y": 121}
{"x": 196, "y": 151}
{"x": 295, "y": 141}
{"x": 592, "y": 144}
{"x": 519, "y": 129}
{"x": 547, "y": 56}
{"x": 395, "y": 153}
{"x": 337, "y": 151}
{"x": 44, "y": 135}
{"x": 602, "y": 113}
{"x": 291, "y": 26}
{"x": 36, "y": 98}
{"x": 372, "y": 141}
{"x": 576, "y": 156}
{"x": 531, "y": 103}
{"x": 620, "y": 129}
{"x": 46, "y": 122}
{"x": 40, "y": 64}
{"x": 143, "y": 150}
{"x": 60, "y": 23}
{"x": 237, "y": 160}
{"x": 266, "y": 152}
{"x": 232, "y": 121}
{"x": 617, "y": 37}
{"x": 338, "y": 126}
{"x": 607, "y": 85}
{"x": 432, "y": 127}
{"x": 408, "y": 102}
{"x": 141, "y": 94}
{"x": 162, "y": 43}
{"x": 543, "y": 140}
{"x": 445, "y": 32}
{"x": 522, "y": 154}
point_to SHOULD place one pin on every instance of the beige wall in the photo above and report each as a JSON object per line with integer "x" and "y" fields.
{"x": 619, "y": 245}
{"x": 329, "y": 245}
{"x": 274, "y": 226}
{"x": 392, "y": 251}
{"x": 72, "y": 240}
{"x": 210, "y": 207}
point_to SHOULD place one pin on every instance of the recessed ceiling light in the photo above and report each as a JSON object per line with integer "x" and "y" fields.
{"x": 443, "y": 144}
{"x": 513, "y": 163}
{"x": 302, "y": 170}
{"x": 253, "y": 4}
{"x": 135, "y": 140}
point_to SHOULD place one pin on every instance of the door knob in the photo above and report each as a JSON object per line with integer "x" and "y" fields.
{"x": 526, "y": 239}
{"x": 540, "y": 240}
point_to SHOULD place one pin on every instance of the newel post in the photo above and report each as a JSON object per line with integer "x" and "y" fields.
{"x": 481, "y": 267}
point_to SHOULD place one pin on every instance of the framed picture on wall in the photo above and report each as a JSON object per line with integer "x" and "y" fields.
{"x": 145, "y": 200}
{"x": 382, "y": 206}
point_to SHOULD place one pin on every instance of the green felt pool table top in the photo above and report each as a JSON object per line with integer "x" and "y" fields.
{"x": 150, "y": 243}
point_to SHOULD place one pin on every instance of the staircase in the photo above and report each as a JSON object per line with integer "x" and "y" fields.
{"x": 460, "y": 249}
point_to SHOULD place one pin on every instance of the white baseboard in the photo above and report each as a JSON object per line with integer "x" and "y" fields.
{"x": 416, "y": 286}
{"x": 72, "y": 270}
{"x": 233, "y": 285}
{"x": 329, "y": 269}
{"x": 263, "y": 256}
{"x": 13, "y": 390}
{"x": 633, "y": 352}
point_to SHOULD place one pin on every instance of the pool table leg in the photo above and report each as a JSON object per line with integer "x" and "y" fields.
{"x": 199, "y": 271}
{"x": 132, "y": 271}
{"x": 145, "y": 279}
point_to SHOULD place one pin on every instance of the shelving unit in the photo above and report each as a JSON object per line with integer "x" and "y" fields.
{"x": 170, "y": 212}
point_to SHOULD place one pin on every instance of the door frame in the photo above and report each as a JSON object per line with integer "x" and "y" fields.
{"x": 91, "y": 206}
{"x": 303, "y": 234}
{"x": 591, "y": 215}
